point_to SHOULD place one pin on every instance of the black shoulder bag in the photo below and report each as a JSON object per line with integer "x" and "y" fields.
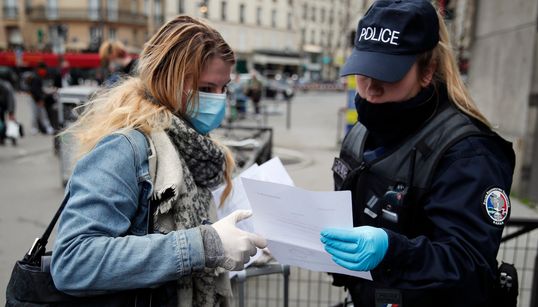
{"x": 31, "y": 283}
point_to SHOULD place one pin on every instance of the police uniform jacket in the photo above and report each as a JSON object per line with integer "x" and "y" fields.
{"x": 441, "y": 195}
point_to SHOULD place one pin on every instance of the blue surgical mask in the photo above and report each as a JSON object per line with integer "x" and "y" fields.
{"x": 211, "y": 108}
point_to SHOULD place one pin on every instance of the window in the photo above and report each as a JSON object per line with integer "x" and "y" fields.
{"x": 322, "y": 17}
{"x": 146, "y": 7}
{"x": 112, "y": 34}
{"x": 331, "y": 18}
{"x": 52, "y": 9}
{"x": 14, "y": 36}
{"x": 181, "y": 6}
{"x": 313, "y": 16}
{"x": 290, "y": 21}
{"x": 134, "y": 6}
{"x": 290, "y": 2}
{"x": 95, "y": 36}
{"x": 135, "y": 36}
{"x": 303, "y": 35}
{"x": 10, "y": 8}
{"x": 305, "y": 11}
{"x": 94, "y": 10}
{"x": 241, "y": 13}
{"x": 259, "y": 15}
{"x": 158, "y": 12}
{"x": 273, "y": 18}
{"x": 223, "y": 10}
{"x": 112, "y": 10}
{"x": 322, "y": 38}
{"x": 312, "y": 36}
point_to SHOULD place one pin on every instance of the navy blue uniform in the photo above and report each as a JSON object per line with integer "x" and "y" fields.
{"x": 447, "y": 255}
{"x": 456, "y": 256}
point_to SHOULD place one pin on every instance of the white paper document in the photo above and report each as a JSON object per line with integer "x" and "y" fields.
{"x": 291, "y": 220}
{"x": 271, "y": 171}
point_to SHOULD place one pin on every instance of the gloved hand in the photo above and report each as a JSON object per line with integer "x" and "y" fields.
{"x": 238, "y": 245}
{"x": 358, "y": 249}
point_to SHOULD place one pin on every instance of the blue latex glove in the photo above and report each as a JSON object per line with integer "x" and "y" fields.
{"x": 358, "y": 249}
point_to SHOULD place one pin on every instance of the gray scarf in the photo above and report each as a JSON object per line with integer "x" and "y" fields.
{"x": 184, "y": 201}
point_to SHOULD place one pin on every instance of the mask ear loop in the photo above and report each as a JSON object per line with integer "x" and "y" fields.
{"x": 191, "y": 109}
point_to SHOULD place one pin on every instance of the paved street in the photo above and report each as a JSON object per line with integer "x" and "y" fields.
{"x": 30, "y": 185}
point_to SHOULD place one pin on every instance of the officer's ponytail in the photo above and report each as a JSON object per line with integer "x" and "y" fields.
{"x": 447, "y": 73}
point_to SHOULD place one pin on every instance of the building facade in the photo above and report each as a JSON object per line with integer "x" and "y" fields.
{"x": 307, "y": 38}
{"x": 65, "y": 25}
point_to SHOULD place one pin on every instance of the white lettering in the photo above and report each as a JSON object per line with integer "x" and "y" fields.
{"x": 380, "y": 35}
{"x": 363, "y": 33}
{"x": 383, "y": 36}
{"x": 373, "y": 36}
{"x": 369, "y": 33}
{"x": 394, "y": 37}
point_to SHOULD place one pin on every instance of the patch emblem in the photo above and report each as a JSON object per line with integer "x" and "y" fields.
{"x": 497, "y": 205}
{"x": 340, "y": 168}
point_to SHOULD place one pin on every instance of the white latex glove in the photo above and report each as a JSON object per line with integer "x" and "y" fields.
{"x": 238, "y": 244}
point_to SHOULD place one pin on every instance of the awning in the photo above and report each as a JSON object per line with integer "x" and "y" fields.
{"x": 274, "y": 59}
{"x": 312, "y": 48}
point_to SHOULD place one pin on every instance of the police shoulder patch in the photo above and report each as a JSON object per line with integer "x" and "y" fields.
{"x": 497, "y": 205}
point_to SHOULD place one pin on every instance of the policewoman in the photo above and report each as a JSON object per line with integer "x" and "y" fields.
{"x": 429, "y": 178}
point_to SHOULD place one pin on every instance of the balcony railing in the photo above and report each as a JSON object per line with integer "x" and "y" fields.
{"x": 10, "y": 12}
{"x": 42, "y": 13}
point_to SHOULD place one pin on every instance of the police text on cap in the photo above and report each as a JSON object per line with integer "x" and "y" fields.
{"x": 380, "y": 35}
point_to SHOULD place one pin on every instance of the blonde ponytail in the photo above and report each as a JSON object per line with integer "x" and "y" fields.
{"x": 447, "y": 72}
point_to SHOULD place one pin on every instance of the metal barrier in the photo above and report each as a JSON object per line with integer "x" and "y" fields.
{"x": 249, "y": 145}
{"x": 306, "y": 288}
{"x": 519, "y": 246}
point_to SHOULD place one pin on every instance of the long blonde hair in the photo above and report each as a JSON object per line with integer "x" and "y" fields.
{"x": 176, "y": 54}
{"x": 111, "y": 49}
{"x": 447, "y": 73}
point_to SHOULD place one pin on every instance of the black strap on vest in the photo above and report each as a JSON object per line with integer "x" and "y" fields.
{"x": 418, "y": 155}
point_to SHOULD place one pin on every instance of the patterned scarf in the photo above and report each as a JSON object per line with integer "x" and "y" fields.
{"x": 186, "y": 201}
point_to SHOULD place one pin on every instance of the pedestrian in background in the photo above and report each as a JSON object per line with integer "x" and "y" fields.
{"x": 116, "y": 59}
{"x": 254, "y": 92}
{"x": 64, "y": 72}
{"x": 7, "y": 105}
{"x": 238, "y": 95}
{"x": 429, "y": 178}
{"x": 148, "y": 138}
{"x": 40, "y": 118}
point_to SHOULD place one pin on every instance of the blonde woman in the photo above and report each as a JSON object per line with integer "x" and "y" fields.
{"x": 115, "y": 58}
{"x": 147, "y": 138}
{"x": 429, "y": 178}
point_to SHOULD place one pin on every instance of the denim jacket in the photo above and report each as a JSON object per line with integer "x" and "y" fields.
{"x": 102, "y": 243}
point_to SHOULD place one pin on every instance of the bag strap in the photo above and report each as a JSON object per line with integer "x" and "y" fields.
{"x": 33, "y": 256}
